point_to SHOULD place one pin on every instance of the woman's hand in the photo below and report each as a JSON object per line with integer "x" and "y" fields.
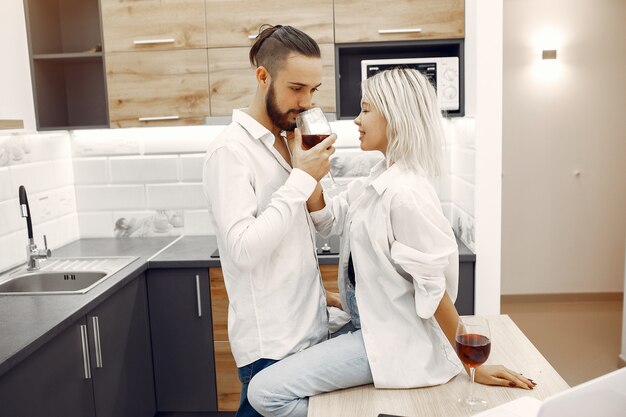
{"x": 333, "y": 300}
{"x": 499, "y": 375}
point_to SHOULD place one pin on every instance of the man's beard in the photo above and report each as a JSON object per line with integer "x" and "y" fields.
{"x": 279, "y": 119}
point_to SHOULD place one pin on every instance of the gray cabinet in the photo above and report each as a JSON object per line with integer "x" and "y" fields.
{"x": 182, "y": 340}
{"x": 120, "y": 353}
{"x": 100, "y": 365}
{"x": 51, "y": 381}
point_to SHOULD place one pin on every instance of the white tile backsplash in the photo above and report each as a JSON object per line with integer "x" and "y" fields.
{"x": 35, "y": 177}
{"x": 463, "y": 194}
{"x": 197, "y": 222}
{"x": 12, "y": 250}
{"x": 95, "y": 224}
{"x": 81, "y": 182}
{"x": 11, "y": 217}
{"x": 64, "y": 172}
{"x": 144, "y": 169}
{"x": 91, "y": 171}
{"x": 6, "y": 189}
{"x": 110, "y": 197}
{"x": 191, "y": 167}
{"x": 175, "y": 196}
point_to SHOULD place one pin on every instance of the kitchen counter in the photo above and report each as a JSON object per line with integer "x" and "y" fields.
{"x": 29, "y": 321}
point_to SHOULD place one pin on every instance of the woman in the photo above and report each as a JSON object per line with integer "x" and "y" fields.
{"x": 405, "y": 269}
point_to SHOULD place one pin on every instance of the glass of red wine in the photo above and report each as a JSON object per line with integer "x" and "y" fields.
{"x": 314, "y": 128}
{"x": 473, "y": 344}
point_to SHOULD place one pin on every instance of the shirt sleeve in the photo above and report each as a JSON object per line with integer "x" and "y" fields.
{"x": 424, "y": 246}
{"x": 250, "y": 236}
{"x": 330, "y": 220}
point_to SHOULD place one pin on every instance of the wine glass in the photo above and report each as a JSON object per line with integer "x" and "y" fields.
{"x": 473, "y": 344}
{"x": 314, "y": 128}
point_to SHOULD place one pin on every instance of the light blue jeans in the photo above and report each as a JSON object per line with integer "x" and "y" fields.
{"x": 283, "y": 388}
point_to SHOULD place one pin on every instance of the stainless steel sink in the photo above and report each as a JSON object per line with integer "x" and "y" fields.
{"x": 62, "y": 276}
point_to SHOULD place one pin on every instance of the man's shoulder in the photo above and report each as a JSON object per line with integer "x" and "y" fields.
{"x": 232, "y": 137}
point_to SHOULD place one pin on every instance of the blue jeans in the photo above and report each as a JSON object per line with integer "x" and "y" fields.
{"x": 283, "y": 389}
{"x": 245, "y": 374}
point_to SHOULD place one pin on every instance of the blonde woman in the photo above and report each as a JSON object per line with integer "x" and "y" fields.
{"x": 399, "y": 254}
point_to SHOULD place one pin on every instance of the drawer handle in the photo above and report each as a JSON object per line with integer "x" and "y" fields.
{"x": 96, "y": 337}
{"x": 85, "y": 345}
{"x": 152, "y": 119}
{"x": 198, "y": 295}
{"x": 153, "y": 41}
{"x": 394, "y": 31}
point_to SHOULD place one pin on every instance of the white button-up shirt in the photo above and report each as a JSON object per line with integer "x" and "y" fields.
{"x": 405, "y": 255}
{"x": 257, "y": 203}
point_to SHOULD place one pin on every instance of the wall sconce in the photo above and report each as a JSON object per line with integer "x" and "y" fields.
{"x": 548, "y": 54}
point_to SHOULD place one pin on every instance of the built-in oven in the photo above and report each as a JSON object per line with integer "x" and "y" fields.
{"x": 443, "y": 73}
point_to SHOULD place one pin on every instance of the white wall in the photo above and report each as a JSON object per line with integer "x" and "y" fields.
{"x": 16, "y": 97}
{"x": 483, "y": 37}
{"x": 563, "y": 232}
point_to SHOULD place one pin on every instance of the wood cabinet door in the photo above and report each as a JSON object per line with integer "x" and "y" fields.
{"x": 182, "y": 343}
{"x": 228, "y": 384}
{"x": 233, "y": 83}
{"x": 51, "y": 381}
{"x": 164, "y": 88}
{"x": 365, "y": 21}
{"x": 329, "y": 277}
{"x": 121, "y": 355}
{"x": 143, "y": 25}
{"x": 233, "y": 23}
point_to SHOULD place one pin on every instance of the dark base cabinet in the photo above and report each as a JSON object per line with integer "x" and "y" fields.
{"x": 100, "y": 366}
{"x": 182, "y": 340}
{"x": 51, "y": 381}
{"x": 123, "y": 381}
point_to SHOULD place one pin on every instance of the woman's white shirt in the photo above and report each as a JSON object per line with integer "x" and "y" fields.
{"x": 405, "y": 256}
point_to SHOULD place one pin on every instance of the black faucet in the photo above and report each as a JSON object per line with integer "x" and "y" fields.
{"x": 33, "y": 254}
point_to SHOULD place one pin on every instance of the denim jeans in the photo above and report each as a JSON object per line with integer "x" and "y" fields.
{"x": 283, "y": 389}
{"x": 245, "y": 374}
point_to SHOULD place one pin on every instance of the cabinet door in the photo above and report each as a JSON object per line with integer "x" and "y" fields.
{"x": 226, "y": 378}
{"x": 329, "y": 277}
{"x": 236, "y": 22}
{"x": 363, "y": 21}
{"x": 158, "y": 88}
{"x": 182, "y": 342}
{"x": 51, "y": 381}
{"x": 153, "y": 24}
{"x": 233, "y": 83}
{"x": 121, "y": 357}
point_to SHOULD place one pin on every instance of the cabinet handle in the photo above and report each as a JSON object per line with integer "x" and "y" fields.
{"x": 151, "y": 119}
{"x": 153, "y": 41}
{"x": 198, "y": 295}
{"x": 393, "y": 31}
{"x": 96, "y": 337}
{"x": 85, "y": 344}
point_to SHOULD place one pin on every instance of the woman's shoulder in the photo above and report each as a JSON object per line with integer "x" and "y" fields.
{"x": 411, "y": 188}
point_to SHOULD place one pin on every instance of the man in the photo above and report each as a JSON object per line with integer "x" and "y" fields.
{"x": 257, "y": 189}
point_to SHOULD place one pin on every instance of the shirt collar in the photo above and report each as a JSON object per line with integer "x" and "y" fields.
{"x": 383, "y": 177}
{"x": 251, "y": 125}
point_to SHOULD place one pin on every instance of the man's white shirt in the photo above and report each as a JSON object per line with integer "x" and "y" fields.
{"x": 265, "y": 236}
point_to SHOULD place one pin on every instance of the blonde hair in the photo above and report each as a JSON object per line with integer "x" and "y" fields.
{"x": 408, "y": 102}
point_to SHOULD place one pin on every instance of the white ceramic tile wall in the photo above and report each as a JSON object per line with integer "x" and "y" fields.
{"x": 42, "y": 163}
{"x": 137, "y": 173}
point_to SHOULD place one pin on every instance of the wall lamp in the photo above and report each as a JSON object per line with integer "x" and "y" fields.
{"x": 548, "y": 54}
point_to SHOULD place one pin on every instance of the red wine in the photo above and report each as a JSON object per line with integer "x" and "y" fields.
{"x": 309, "y": 141}
{"x": 473, "y": 349}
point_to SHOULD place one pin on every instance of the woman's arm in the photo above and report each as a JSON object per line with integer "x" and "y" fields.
{"x": 447, "y": 317}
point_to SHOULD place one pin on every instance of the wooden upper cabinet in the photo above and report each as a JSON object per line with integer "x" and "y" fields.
{"x": 143, "y": 25}
{"x": 375, "y": 21}
{"x": 233, "y": 83}
{"x": 159, "y": 88}
{"x": 232, "y": 23}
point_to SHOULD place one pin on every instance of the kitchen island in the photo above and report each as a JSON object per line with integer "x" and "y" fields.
{"x": 510, "y": 347}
